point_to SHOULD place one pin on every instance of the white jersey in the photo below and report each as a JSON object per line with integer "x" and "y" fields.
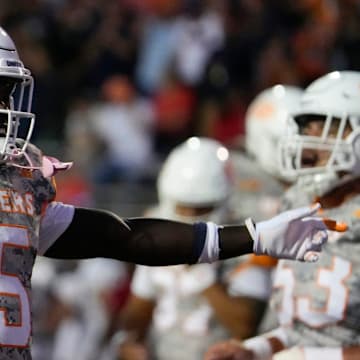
{"x": 318, "y": 304}
{"x": 25, "y": 196}
{"x": 184, "y": 323}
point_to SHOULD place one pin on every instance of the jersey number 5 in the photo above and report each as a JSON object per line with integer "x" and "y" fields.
{"x": 15, "y": 322}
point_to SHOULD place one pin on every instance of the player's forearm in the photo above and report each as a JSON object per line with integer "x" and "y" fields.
{"x": 94, "y": 233}
{"x": 266, "y": 345}
{"x": 165, "y": 242}
{"x": 234, "y": 241}
{"x": 240, "y": 316}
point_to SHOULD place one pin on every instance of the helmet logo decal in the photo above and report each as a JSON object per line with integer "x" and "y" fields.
{"x": 13, "y": 63}
{"x": 263, "y": 111}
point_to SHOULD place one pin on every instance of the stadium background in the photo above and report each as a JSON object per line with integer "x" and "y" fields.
{"x": 119, "y": 83}
{"x": 186, "y": 67}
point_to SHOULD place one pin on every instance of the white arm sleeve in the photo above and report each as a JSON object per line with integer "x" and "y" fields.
{"x": 57, "y": 218}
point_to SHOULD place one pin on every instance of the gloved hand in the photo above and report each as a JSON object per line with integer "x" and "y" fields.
{"x": 294, "y": 234}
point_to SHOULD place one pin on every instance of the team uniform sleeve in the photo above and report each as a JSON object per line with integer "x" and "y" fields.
{"x": 56, "y": 220}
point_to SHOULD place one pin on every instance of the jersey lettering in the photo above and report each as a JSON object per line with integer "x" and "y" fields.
{"x": 22, "y": 204}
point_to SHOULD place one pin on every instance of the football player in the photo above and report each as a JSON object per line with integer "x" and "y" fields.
{"x": 261, "y": 185}
{"x": 317, "y": 305}
{"x": 183, "y": 309}
{"x": 33, "y": 223}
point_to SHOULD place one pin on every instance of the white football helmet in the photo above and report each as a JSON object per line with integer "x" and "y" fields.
{"x": 335, "y": 99}
{"x": 197, "y": 173}
{"x": 265, "y": 123}
{"x": 16, "y": 92}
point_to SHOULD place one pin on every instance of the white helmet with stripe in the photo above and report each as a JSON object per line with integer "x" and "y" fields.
{"x": 265, "y": 123}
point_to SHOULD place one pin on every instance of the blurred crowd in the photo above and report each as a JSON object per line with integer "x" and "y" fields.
{"x": 119, "y": 83}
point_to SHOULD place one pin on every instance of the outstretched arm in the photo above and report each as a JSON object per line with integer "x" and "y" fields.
{"x": 295, "y": 234}
{"x": 97, "y": 233}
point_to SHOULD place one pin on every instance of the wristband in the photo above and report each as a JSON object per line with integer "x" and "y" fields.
{"x": 279, "y": 334}
{"x": 251, "y": 228}
{"x": 211, "y": 249}
{"x": 260, "y": 346}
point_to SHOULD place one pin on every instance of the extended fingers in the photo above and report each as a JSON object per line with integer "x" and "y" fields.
{"x": 334, "y": 225}
{"x": 299, "y": 213}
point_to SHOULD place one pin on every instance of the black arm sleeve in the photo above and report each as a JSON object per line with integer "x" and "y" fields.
{"x": 98, "y": 233}
{"x": 234, "y": 241}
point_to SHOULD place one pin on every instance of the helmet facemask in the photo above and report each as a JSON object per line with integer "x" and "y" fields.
{"x": 330, "y": 150}
{"x": 16, "y": 120}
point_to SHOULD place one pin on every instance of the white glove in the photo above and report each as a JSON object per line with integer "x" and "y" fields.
{"x": 294, "y": 234}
